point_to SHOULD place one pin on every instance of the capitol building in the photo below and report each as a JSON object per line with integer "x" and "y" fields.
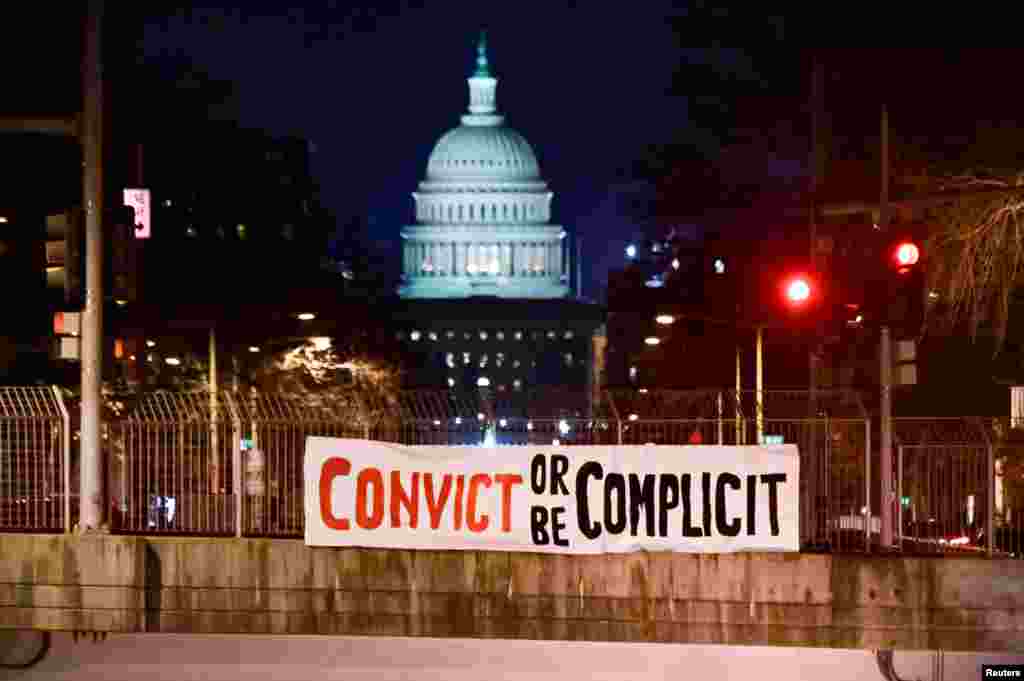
{"x": 486, "y": 296}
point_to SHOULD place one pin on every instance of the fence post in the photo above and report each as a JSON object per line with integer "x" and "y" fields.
{"x": 867, "y": 484}
{"x": 899, "y": 495}
{"x": 720, "y": 432}
{"x": 65, "y": 462}
{"x": 236, "y": 460}
{"x": 990, "y": 528}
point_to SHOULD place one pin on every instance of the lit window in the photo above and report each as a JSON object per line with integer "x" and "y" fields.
{"x": 568, "y": 335}
{"x": 483, "y": 335}
{"x": 191, "y": 231}
{"x": 483, "y": 382}
{"x": 466, "y": 358}
{"x": 449, "y": 334}
{"x": 414, "y": 335}
{"x": 516, "y": 364}
{"x": 675, "y": 263}
{"x": 451, "y": 382}
{"x": 568, "y": 359}
{"x": 483, "y": 361}
{"x": 500, "y": 335}
{"x": 551, "y": 335}
{"x": 632, "y": 373}
{"x": 449, "y": 359}
{"x": 466, "y": 335}
{"x": 517, "y": 384}
{"x": 519, "y": 335}
{"x": 433, "y": 335}
{"x": 242, "y": 231}
{"x": 499, "y": 359}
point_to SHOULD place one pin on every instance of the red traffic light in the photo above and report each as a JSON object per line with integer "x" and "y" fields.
{"x": 797, "y": 290}
{"x": 906, "y": 254}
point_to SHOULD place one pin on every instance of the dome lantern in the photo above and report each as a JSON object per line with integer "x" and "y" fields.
{"x": 483, "y": 105}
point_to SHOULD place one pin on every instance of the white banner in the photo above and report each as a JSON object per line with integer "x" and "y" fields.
{"x": 579, "y": 499}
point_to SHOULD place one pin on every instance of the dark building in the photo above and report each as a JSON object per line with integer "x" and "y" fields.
{"x": 486, "y": 277}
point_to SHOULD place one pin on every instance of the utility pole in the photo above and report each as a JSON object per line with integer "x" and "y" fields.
{"x": 91, "y": 459}
{"x": 885, "y": 367}
{"x": 813, "y": 355}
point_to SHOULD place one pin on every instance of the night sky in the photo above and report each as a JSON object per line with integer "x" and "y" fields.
{"x": 374, "y": 85}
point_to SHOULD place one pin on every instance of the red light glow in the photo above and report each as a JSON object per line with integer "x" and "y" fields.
{"x": 798, "y": 290}
{"x": 907, "y": 254}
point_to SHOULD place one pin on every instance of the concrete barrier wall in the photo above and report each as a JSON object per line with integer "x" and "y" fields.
{"x": 132, "y": 584}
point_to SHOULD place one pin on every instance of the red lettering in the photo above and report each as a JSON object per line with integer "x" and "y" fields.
{"x": 460, "y": 487}
{"x": 436, "y": 506}
{"x": 400, "y": 499}
{"x": 474, "y": 524}
{"x": 332, "y": 468}
{"x": 367, "y": 477}
{"x": 506, "y": 480}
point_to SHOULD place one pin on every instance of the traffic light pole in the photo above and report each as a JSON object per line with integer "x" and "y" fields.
{"x": 91, "y": 459}
{"x": 885, "y": 496}
{"x": 885, "y": 409}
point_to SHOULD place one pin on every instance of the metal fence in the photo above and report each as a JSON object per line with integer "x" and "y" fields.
{"x": 945, "y": 496}
{"x": 233, "y": 464}
{"x": 34, "y": 460}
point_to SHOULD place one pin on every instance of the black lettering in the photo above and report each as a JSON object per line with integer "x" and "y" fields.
{"x": 538, "y": 475}
{"x": 668, "y": 495}
{"x": 726, "y": 529}
{"x": 751, "y": 505}
{"x": 773, "y": 480}
{"x": 590, "y": 529}
{"x": 556, "y": 526}
{"x": 688, "y": 529}
{"x": 615, "y": 482}
{"x": 559, "y": 467}
{"x": 641, "y": 495}
{"x": 705, "y": 489}
{"x": 538, "y": 520}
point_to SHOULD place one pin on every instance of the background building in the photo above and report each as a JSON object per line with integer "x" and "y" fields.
{"x": 485, "y": 275}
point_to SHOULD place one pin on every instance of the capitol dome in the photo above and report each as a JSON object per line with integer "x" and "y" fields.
{"x": 483, "y": 212}
{"x": 493, "y": 152}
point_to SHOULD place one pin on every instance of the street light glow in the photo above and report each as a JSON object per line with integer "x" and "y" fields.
{"x": 665, "y": 319}
{"x": 631, "y": 251}
{"x": 173, "y": 361}
{"x": 306, "y": 316}
{"x": 652, "y": 340}
{"x": 253, "y": 348}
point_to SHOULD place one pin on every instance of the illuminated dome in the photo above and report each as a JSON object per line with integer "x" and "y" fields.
{"x": 483, "y": 212}
{"x": 482, "y": 152}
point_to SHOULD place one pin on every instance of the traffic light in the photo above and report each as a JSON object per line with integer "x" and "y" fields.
{"x": 896, "y": 294}
{"x": 800, "y": 298}
{"x": 65, "y": 256}
{"x": 123, "y": 267}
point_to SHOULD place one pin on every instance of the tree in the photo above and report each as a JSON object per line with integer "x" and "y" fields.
{"x": 976, "y": 249}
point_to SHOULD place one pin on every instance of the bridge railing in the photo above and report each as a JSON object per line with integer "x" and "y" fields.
{"x": 233, "y": 465}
